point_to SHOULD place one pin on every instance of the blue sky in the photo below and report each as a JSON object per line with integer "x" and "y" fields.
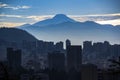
{"x": 18, "y": 12}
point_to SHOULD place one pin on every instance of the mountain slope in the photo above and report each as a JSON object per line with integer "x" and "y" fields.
{"x": 24, "y": 25}
{"x": 15, "y": 35}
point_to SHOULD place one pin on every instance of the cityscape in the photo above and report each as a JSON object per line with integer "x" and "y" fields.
{"x": 59, "y": 40}
{"x": 49, "y": 61}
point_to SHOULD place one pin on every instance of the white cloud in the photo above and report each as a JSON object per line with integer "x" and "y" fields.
{"x": 17, "y": 7}
{"x": 114, "y": 14}
{"x": 13, "y": 24}
{"x": 113, "y": 19}
{"x": 39, "y": 18}
{"x": 25, "y": 7}
{"x": 16, "y": 16}
{"x": 3, "y": 5}
{"x": 33, "y": 17}
{"x": 96, "y": 17}
{"x": 113, "y": 22}
{"x": 10, "y": 24}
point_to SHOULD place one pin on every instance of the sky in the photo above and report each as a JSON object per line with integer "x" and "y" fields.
{"x": 18, "y": 12}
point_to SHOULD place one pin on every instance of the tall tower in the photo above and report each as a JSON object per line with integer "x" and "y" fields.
{"x": 68, "y": 43}
{"x": 14, "y": 58}
{"x": 89, "y": 70}
{"x": 74, "y": 57}
{"x": 87, "y": 47}
{"x": 59, "y": 46}
{"x": 56, "y": 61}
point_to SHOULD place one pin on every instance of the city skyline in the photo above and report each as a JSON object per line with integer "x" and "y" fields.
{"x": 54, "y": 66}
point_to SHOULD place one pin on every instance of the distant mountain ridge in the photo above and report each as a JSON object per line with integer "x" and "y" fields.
{"x": 61, "y": 27}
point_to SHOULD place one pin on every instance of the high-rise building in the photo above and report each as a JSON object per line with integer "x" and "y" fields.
{"x": 14, "y": 58}
{"x": 68, "y": 43}
{"x": 89, "y": 72}
{"x": 59, "y": 46}
{"x": 56, "y": 61}
{"x": 3, "y": 71}
{"x": 87, "y": 46}
{"x": 74, "y": 57}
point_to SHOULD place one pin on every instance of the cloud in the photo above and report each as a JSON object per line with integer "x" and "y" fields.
{"x": 17, "y": 7}
{"x": 16, "y": 16}
{"x": 113, "y": 19}
{"x": 33, "y": 17}
{"x": 115, "y": 14}
{"x": 3, "y": 5}
{"x": 25, "y": 19}
{"x": 96, "y": 17}
{"x": 39, "y": 18}
{"x": 10, "y": 24}
{"x": 113, "y": 22}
